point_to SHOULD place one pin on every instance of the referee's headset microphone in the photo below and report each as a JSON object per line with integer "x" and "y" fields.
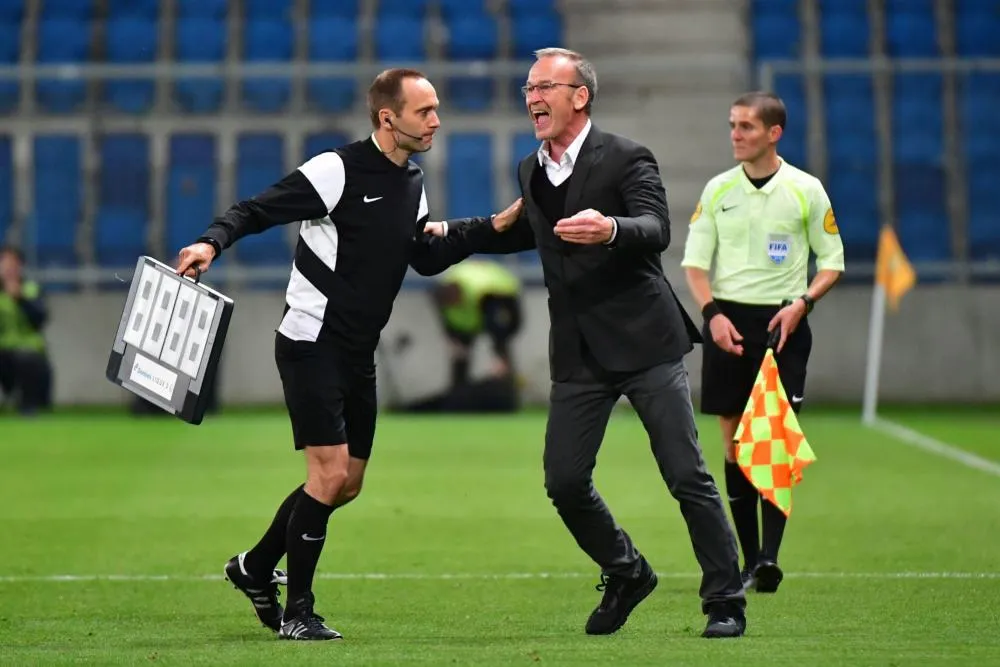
{"x": 388, "y": 121}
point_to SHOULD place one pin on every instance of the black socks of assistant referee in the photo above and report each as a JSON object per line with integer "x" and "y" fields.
{"x": 264, "y": 557}
{"x": 772, "y": 526}
{"x": 743, "y": 505}
{"x": 305, "y": 538}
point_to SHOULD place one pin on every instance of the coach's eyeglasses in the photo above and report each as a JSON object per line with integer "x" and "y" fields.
{"x": 545, "y": 87}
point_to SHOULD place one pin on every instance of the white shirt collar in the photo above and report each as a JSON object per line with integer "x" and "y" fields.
{"x": 572, "y": 151}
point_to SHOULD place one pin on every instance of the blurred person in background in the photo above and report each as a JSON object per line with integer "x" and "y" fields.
{"x": 757, "y": 223}
{"x": 25, "y": 371}
{"x": 475, "y": 298}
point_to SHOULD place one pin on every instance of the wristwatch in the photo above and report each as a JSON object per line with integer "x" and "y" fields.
{"x": 809, "y": 301}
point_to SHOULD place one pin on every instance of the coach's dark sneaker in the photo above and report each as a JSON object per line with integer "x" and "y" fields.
{"x": 767, "y": 576}
{"x": 621, "y": 595}
{"x": 263, "y": 596}
{"x": 301, "y": 622}
{"x": 724, "y": 622}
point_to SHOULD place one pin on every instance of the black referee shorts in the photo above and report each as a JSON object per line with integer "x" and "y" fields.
{"x": 330, "y": 401}
{"x": 727, "y": 379}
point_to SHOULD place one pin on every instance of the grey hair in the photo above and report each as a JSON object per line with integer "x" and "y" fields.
{"x": 585, "y": 72}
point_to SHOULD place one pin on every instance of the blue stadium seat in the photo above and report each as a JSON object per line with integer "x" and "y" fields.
{"x": 793, "y": 146}
{"x": 11, "y": 11}
{"x": 977, "y": 24}
{"x": 469, "y": 174}
{"x": 853, "y": 193}
{"x": 68, "y": 9}
{"x": 454, "y": 8}
{"x": 192, "y": 174}
{"x": 62, "y": 41}
{"x": 6, "y": 185}
{"x": 984, "y": 218}
{"x": 279, "y": 10}
{"x": 10, "y": 54}
{"x": 334, "y": 8}
{"x": 529, "y": 32}
{"x": 775, "y": 29}
{"x": 148, "y": 9}
{"x": 402, "y": 8}
{"x": 977, "y": 112}
{"x": 844, "y": 29}
{"x": 917, "y": 118}
{"x": 199, "y": 40}
{"x": 319, "y": 142}
{"x": 260, "y": 162}
{"x": 471, "y": 37}
{"x": 123, "y": 213}
{"x": 267, "y": 41}
{"x": 201, "y": 9}
{"x": 131, "y": 40}
{"x": 910, "y": 28}
{"x": 921, "y": 212}
{"x": 849, "y": 107}
{"x": 520, "y": 7}
{"x": 58, "y": 185}
{"x": 332, "y": 39}
{"x": 400, "y": 38}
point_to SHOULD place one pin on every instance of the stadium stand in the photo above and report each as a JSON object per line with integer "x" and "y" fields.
{"x": 63, "y": 165}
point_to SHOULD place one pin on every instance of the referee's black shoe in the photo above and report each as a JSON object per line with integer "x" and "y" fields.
{"x": 263, "y": 595}
{"x": 301, "y": 622}
{"x": 621, "y": 595}
{"x": 767, "y": 576}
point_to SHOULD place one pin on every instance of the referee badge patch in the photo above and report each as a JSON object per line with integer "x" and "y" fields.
{"x": 778, "y": 247}
{"x": 697, "y": 213}
{"x": 830, "y": 222}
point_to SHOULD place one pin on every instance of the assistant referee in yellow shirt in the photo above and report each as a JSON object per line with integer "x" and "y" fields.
{"x": 757, "y": 223}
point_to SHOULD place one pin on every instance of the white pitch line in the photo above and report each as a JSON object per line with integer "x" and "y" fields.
{"x": 916, "y": 439}
{"x": 383, "y": 576}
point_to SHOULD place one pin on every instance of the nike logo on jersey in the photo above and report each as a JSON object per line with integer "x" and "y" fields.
{"x": 369, "y": 200}
{"x": 727, "y": 208}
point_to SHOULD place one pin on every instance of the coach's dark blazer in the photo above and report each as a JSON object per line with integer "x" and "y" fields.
{"x": 615, "y": 297}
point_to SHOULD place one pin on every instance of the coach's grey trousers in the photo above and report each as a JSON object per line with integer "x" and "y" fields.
{"x": 578, "y": 417}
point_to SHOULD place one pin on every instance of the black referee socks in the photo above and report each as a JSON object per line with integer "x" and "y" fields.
{"x": 743, "y": 505}
{"x": 264, "y": 557}
{"x": 773, "y": 523}
{"x": 305, "y": 538}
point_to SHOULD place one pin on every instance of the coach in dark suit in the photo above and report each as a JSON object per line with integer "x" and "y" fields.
{"x": 595, "y": 208}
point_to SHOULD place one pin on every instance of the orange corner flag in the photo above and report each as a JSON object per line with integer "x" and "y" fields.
{"x": 771, "y": 449}
{"x": 893, "y": 270}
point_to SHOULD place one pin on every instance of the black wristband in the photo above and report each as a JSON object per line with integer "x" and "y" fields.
{"x": 710, "y": 310}
{"x": 809, "y": 301}
{"x": 212, "y": 242}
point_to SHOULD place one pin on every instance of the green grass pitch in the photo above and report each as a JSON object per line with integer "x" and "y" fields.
{"x": 454, "y": 556}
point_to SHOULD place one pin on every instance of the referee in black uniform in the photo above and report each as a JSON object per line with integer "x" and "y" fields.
{"x": 361, "y": 210}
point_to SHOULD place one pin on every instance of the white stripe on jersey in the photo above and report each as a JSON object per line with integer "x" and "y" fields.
{"x": 322, "y": 238}
{"x": 326, "y": 174}
{"x": 306, "y": 308}
{"x": 423, "y": 211}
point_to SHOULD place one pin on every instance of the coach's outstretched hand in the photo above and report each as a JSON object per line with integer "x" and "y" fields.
{"x": 195, "y": 255}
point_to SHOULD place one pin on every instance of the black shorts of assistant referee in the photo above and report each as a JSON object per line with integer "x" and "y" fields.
{"x": 727, "y": 379}
{"x": 331, "y": 400}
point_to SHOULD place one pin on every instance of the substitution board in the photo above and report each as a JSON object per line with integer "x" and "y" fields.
{"x": 170, "y": 339}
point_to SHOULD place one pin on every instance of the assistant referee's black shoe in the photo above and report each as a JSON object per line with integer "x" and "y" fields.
{"x": 302, "y": 623}
{"x": 767, "y": 576}
{"x": 263, "y": 595}
{"x": 621, "y": 595}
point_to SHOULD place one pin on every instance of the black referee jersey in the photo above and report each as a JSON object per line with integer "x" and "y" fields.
{"x": 362, "y": 219}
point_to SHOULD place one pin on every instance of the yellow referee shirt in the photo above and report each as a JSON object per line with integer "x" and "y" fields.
{"x": 759, "y": 240}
